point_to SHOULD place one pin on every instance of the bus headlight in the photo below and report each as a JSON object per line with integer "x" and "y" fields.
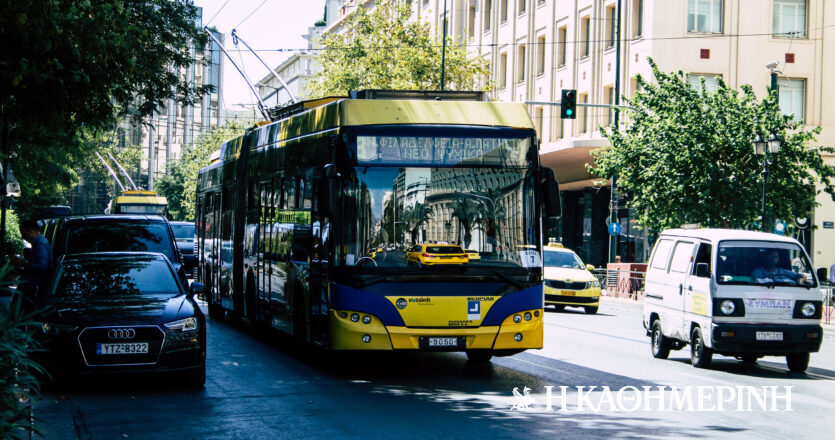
{"x": 366, "y": 319}
{"x": 517, "y": 318}
{"x": 808, "y": 310}
{"x": 727, "y": 307}
{"x": 527, "y": 316}
{"x": 355, "y": 317}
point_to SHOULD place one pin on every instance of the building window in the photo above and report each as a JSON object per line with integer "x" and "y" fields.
{"x": 488, "y": 7}
{"x": 562, "y": 35}
{"x": 540, "y": 59}
{"x": 503, "y": 70}
{"x": 520, "y": 66}
{"x": 556, "y": 125}
{"x": 793, "y": 97}
{"x": 522, "y": 6}
{"x": 789, "y": 18}
{"x": 611, "y": 29}
{"x": 609, "y": 93}
{"x": 704, "y": 16}
{"x": 711, "y": 81}
{"x": 582, "y": 114}
{"x": 538, "y": 121}
{"x": 471, "y": 31}
{"x": 637, "y": 18}
{"x": 504, "y": 11}
{"x": 585, "y": 32}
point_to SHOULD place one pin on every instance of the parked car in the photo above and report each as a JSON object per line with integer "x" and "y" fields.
{"x": 569, "y": 282}
{"x": 119, "y": 233}
{"x": 738, "y": 293}
{"x": 122, "y": 312}
{"x": 184, "y": 235}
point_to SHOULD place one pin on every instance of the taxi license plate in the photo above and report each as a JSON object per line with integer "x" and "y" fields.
{"x": 569, "y": 293}
{"x": 124, "y": 348}
{"x": 443, "y": 342}
{"x": 769, "y": 336}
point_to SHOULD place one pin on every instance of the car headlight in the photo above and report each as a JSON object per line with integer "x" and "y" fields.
{"x": 727, "y": 307}
{"x": 594, "y": 283}
{"x": 808, "y": 310}
{"x": 183, "y": 325}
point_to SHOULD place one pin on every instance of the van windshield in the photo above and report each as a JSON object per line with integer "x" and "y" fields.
{"x": 763, "y": 263}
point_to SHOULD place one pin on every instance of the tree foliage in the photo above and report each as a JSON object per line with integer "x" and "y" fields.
{"x": 686, "y": 155}
{"x": 382, "y": 48}
{"x": 179, "y": 184}
{"x": 69, "y": 69}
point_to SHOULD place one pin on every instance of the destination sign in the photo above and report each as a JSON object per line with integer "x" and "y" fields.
{"x": 418, "y": 150}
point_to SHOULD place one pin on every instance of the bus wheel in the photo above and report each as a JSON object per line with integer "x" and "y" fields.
{"x": 798, "y": 362}
{"x": 481, "y": 355}
{"x": 660, "y": 344}
{"x": 700, "y": 354}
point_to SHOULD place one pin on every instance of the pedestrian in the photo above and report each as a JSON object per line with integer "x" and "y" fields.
{"x": 37, "y": 266}
{"x": 832, "y": 275}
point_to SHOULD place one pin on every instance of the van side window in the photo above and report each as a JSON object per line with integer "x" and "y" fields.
{"x": 661, "y": 254}
{"x": 703, "y": 256}
{"x": 681, "y": 257}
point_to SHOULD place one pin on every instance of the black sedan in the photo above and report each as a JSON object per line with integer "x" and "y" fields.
{"x": 121, "y": 312}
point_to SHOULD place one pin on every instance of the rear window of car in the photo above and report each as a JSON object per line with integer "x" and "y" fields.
{"x": 119, "y": 237}
{"x": 115, "y": 277}
{"x": 183, "y": 232}
{"x": 444, "y": 250}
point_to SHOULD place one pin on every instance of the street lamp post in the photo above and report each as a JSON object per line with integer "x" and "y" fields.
{"x": 764, "y": 147}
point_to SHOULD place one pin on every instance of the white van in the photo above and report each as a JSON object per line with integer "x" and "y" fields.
{"x": 736, "y": 293}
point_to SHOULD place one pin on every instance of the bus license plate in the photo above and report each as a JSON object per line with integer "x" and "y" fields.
{"x": 443, "y": 342}
{"x": 125, "y": 348}
{"x": 769, "y": 336}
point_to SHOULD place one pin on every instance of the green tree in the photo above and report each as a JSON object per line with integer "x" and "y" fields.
{"x": 685, "y": 155}
{"x": 469, "y": 213}
{"x": 383, "y": 48}
{"x": 179, "y": 184}
{"x": 71, "y": 68}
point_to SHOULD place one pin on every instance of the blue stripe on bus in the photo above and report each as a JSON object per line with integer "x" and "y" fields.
{"x": 348, "y": 298}
{"x": 527, "y": 299}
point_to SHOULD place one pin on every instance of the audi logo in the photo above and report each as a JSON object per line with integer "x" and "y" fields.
{"x": 121, "y": 333}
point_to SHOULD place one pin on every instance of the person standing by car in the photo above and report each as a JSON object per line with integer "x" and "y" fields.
{"x": 37, "y": 265}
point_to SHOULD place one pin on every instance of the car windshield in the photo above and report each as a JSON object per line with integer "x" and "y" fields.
{"x": 183, "y": 231}
{"x": 120, "y": 237}
{"x": 763, "y": 263}
{"x": 562, "y": 259}
{"x": 444, "y": 210}
{"x": 115, "y": 277}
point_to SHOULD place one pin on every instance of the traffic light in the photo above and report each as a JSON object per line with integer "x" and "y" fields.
{"x": 568, "y": 104}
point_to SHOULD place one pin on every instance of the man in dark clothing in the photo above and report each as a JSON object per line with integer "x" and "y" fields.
{"x": 37, "y": 265}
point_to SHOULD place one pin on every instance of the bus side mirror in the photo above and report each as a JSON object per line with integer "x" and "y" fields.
{"x": 328, "y": 192}
{"x": 550, "y": 190}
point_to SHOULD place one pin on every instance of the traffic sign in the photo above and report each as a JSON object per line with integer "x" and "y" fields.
{"x": 614, "y": 228}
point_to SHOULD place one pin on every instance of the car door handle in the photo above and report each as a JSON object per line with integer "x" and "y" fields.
{"x": 680, "y": 289}
{"x": 690, "y": 288}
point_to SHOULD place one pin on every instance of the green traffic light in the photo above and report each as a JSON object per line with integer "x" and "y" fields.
{"x": 569, "y": 112}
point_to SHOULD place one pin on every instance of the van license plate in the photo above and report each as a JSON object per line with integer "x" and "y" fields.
{"x": 769, "y": 336}
{"x": 443, "y": 342}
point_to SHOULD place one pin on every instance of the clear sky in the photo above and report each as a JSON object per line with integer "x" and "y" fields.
{"x": 277, "y": 24}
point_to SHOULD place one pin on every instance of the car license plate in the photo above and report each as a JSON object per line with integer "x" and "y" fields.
{"x": 124, "y": 348}
{"x": 569, "y": 293}
{"x": 443, "y": 342}
{"x": 769, "y": 336}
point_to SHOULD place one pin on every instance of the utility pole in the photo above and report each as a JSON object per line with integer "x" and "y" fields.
{"x": 613, "y": 203}
{"x": 443, "y": 50}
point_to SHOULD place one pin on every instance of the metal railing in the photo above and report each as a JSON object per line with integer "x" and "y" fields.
{"x": 828, "y": 298}
{"x": 621, "y": 283}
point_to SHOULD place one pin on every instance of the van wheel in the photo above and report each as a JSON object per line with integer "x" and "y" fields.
{"x": 480, "y": 356}
{"x": 798, "y": 362}
{"x": 660, "y": 344}
{"x": 700, "y": 355}
{"x": 590, "y": 310}
{"x": 749, "y": 359}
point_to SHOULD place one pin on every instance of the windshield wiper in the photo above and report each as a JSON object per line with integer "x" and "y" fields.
{"x": 505, "y": 277}
{"x": 376, "y": 280}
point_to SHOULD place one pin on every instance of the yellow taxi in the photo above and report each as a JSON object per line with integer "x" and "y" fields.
{"x": 431, "y": 254}
{"x": 568, "y": 282}
{"x": 375, "y": 252}
{"x": 473, "y": 255}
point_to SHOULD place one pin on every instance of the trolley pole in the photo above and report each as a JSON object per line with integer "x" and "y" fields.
{"x": 443, "y": 50}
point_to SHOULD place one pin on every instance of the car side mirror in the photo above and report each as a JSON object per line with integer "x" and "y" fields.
{"x": 195, "y": 288}
{"x": 822, "y": 274}
{"x": 589, "y": 267}
{"x": 189, "y": 261}
{"x": 702, "y": 270}
{"x": 550, "y": 191}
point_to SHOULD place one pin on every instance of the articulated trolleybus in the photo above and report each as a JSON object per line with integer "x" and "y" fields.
{"x": 389, "y": 220}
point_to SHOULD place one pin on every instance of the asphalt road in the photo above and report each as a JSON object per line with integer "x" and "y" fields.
{"x": 260, "y": 387}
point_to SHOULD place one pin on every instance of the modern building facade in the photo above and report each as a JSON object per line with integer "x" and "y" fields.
{"x": 296, "y": 72}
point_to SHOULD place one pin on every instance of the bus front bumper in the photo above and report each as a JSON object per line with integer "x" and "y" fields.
{"x": 347, "y": 334}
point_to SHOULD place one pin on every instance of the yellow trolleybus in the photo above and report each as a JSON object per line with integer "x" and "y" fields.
{"x": 304, "y": 224}
{"x": 139, "y": 202}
